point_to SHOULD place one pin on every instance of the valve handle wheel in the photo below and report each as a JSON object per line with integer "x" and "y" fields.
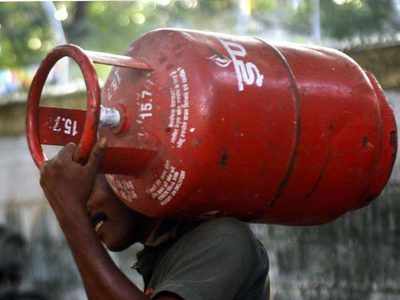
{"x": 88, "y": 136}
{"x": 59, "y": 126}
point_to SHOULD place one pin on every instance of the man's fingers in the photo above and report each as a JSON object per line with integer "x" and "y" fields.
{"x": 67, "y": 152}
{"x": 43, "y": 170}
{"x": 97, "y": 153}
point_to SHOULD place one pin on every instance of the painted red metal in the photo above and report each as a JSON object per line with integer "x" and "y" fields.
{"x": 280, "y": 133}
{"x": 117, "y": 60}
{"x": 92, "y": 110}
{"x": 57, "y": 126}
{"x": 60, "y": 126}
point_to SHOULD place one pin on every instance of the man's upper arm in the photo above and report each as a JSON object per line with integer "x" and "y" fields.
{"x": 213, "y": 262}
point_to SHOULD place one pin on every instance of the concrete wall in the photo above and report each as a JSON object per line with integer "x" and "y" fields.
{"x": 382, "y": 60}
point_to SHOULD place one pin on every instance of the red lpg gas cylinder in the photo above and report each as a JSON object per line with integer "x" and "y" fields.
{"x": 204, "y": 124}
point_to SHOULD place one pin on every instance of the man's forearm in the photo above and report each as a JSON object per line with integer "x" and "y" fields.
{"x": 68, "y": 187}
{"x": 101, "y": 277}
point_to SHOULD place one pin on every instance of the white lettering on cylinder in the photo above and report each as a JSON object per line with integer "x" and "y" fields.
{"x": 246, "y": 72}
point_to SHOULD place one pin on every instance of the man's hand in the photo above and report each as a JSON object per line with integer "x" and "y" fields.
{"x": 67, "y": 184}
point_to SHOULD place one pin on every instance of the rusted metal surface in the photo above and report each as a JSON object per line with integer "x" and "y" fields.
{"x": 282, "y": 134}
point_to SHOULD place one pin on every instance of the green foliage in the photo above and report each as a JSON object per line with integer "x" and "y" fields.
{"x": 300, "y": 21}
{"x": 265, "y": 5}
{"x": 346, "y": 19}
{"x": 25, "y": 34}
{"x": 355, "y": 18}
{"x": 105, "y": 26}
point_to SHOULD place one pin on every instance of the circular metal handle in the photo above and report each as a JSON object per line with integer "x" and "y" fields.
{"x": 88, "y": 137}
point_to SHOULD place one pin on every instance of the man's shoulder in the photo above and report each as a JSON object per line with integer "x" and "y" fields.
{"x": 218, "y": 259}
{"x": 224, "y": 227}
{"x": 226, "y": 233}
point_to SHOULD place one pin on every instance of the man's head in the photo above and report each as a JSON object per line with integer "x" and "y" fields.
{"x": 116, "y": 225}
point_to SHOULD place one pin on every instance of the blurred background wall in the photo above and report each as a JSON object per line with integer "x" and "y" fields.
{"x": 355, "y": 257}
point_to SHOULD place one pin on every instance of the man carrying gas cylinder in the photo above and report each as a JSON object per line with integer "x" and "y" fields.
{"x": 282, "y": 134}
{"x": 212, "y": 260}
